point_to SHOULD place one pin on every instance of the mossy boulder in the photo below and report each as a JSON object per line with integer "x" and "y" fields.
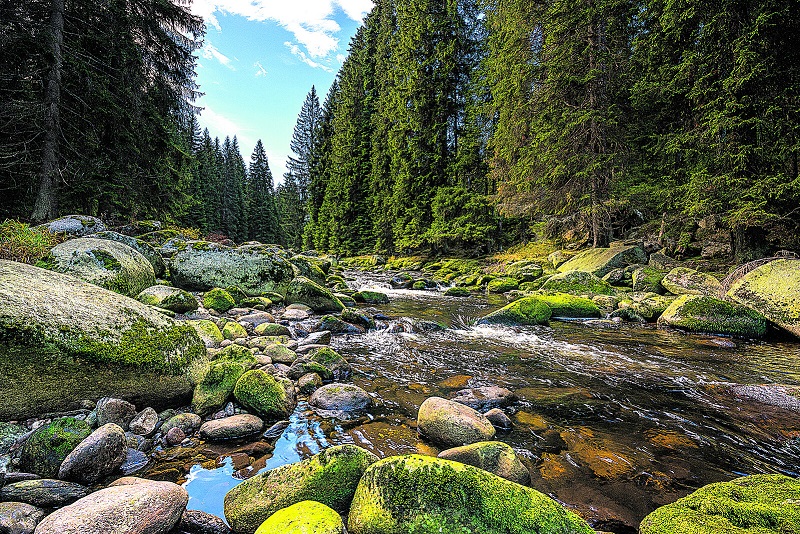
{"x": 649, "y": 307}
{"x": 502, "y": 285}
{"x": 63, "y": 340}
{"x": 559, "y": 257}
{"x": 758, "y": 504}
{"x": 525, "y": 311}
{"x": 339, "y": 368}
{"x": 218, "y": 300}
{"x": 208, "y": 331}
{"x": 371, "y": 297}
{"x": 309, "y": 267}
{"x": 272, "y": 329}
{"x": 47, "y": 447}
{"x": 774, "y": 291}
{"x": 425, "y": 495}
{"x": 601, "y": 261}
{"x": 451, "y": 423}
{"x": 237, "y": 294}
{"x": 304, "y": 291}
{"x": 578, "y": 283}
{"x": 335, "y": 325}
{"x": 218, "y": 384}
{"x": 280, "y": 353}
{"x": 570, "y": 306}
{"x": 104, "y": 263}
{"x": 261, "y": 303}
{"x": 495, "y": 457}
{"x": 75, "y": 225}
{"x": 233, "y": 330}
{"x": 307, "y": 517}
{"x": 268, "y": 396}
{"x": 686, "y": 281}
{"x": 139, "y": 246}
{"x": 525, "y": 271}
{"x": 168, "y": 298}
{"x": 457, "y": 292}
{"x": 647, "y": 279}
{"x": 699, "y": 314}
{"x": 329, "y": 478}
{"x": 201, "y": 265}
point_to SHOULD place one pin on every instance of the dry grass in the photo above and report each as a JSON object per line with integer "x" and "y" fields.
{"x": 19, "y": 242}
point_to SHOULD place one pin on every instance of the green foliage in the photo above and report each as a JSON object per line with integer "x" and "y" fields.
{"x": 20, "y": 242}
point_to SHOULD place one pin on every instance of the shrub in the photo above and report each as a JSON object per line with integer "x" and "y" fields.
{"x": 19, "y": 242}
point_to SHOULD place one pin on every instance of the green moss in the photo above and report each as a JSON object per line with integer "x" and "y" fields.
{"x": 457, "y": 292}
{"x": 774, "y": 290}
{"x": 307, "y": 517}
{"x": 109, "y": 262}
{"x": 168, "y": 298}
{"x": 601, "y": 261}
{"x": 685, "y": 281}
{"x": 329, "y": 478}
{"x": 267, "y": 396}
{"x": 261, "y": 303}
{"x": 419, "y": 285}
{"x": 218, "y": 300}
{"x": 333, "y": 361}
{"x": 648, "y": 279}
{"x": 207, "y": 330}
{"x": 233, "y": 330}
{"x": 425, "y": 495}
{"x": 47, "y": 447}
{"x": 696, "y": 313}
{"x": 361, "y": 319}
{"x": 525, "y": 311}
{"x": 217, "y": 386}
{"x": 237, "y": 294}
{"x": 564, "y": 305}
{"x": 272, "y": 329}
{"x": 759, "y": 504}
{"x": 502, "y": 285}
{"x": 578, "y": 283}
{"x": 371, "y": 297}
{"x": 304, "y": 291}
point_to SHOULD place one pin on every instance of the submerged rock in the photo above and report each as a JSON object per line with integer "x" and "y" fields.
{"x": 329, "y": 478}
{"x": 760, "y": 504}
{"x": 451, "y": 423}
{"x": 307, "y": 517}
{"x": 418, "y": 494}
{"x": 57, "y": 326}
{"x": 109, "y": 264}
{"x": 201, "y": 265}
{"x": 774, "y": 291}
{"x": 144, "y": 507}
{"x": 700, "y": 314}
{"x": 493, "y": 456}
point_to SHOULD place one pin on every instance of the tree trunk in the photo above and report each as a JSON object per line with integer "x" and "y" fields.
{"x": 45, "y": 206}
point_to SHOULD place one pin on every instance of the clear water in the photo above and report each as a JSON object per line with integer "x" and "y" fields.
{"x": 613, "y": 421}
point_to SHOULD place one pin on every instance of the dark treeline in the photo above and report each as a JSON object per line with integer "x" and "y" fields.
{"x": 457, "y": 125}
{"x": 460, "y": 123}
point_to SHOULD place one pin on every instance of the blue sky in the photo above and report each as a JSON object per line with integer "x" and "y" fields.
{"x": 261, "y": 58}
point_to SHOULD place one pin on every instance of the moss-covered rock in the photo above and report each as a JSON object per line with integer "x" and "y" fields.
{"x": 233, "y": 330}
{"x": 686, "y": 281}
{"x": 308, "y": 267}
{"x": 46, "y": 448}
{"x": 457, "y": 292}
{"x": 201, "y": 265}
{"x": 647, "y": 279}
{"x": 266, "y": 395}
{"x": 371, "y": 297}
{"x": 218, "y": 384}
{"x": 347, "y": 300}
{"x": 495, "y": 457}
{"x": 261, "y": 303}
{"x": 9, "y": 434}
{"x": 307, "y": 517}
{"x": 419, "y": 285}
{"x": 502, "y": 285}
{"x": 63, "y": 340}
{"x": 601, "y": 261}
{"x": 525, "y": 271}
{"x": 564, "y": 305}
{"x": 774, "y": 290}
{"x": 168, "y": 298}
{"x": 280, "y": 353}
{"x": 218, "y": 300}
{"x": 427, "y": 495}
{"x": 329, "y": 478}
{"x": 272, "y": 329}
{"x": 358, "y": 318}
{"x": 758, "y": 504}
{"x": 525, "y": 311}
{"x": 578, "y": 283}
{"x": 237, "y": 294}
{"x": 649, "y": 307}
{"x": 104, "y": 263}
{"x": 559, "y": 257}
{"x": 335, "y": 325}
{"x": 303, "y": 291}
{"x": 333, "y": 361}
{"x": 208, "y": 331}
{"x": 699, "y": 314}
{"x": 452, "y": 424}
{"x": 139, "y": 246}
{"x": 75, "y": 225}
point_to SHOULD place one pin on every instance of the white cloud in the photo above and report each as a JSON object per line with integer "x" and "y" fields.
{"x": 212, "y": 52}
{"x": 260, "y": 70}
{"x": 311, "y": 21}
{"x": 294, "y": 49}
{"x": 220, "y": 126}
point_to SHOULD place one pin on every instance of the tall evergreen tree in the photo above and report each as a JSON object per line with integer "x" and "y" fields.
{"x": 262, "y": 214}
{"x": 290, "y": 212}
{"x": 303, "y": 143}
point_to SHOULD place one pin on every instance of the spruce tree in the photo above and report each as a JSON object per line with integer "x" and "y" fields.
{"x": 262, "y": 212}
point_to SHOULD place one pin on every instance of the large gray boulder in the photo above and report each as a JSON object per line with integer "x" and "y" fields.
{"x": 143, "y": 248}
{"x": 202, "y": 265}
{"x": 75, "y": 225}
{"x": 104, "y": 263}
{"x": 19, "y": 518}
{"x": 452, "y": 424}
{"x": 774, "y": 291}
{"x": 143, "y": 507}
{"x": 63, "y": 340}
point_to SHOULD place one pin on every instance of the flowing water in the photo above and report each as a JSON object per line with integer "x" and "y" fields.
{"x": 612, "y": 420}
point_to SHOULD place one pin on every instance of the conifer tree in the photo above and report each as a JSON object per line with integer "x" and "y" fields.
{"x": 290, "y": 212}
{"x": 262, "y": 213}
